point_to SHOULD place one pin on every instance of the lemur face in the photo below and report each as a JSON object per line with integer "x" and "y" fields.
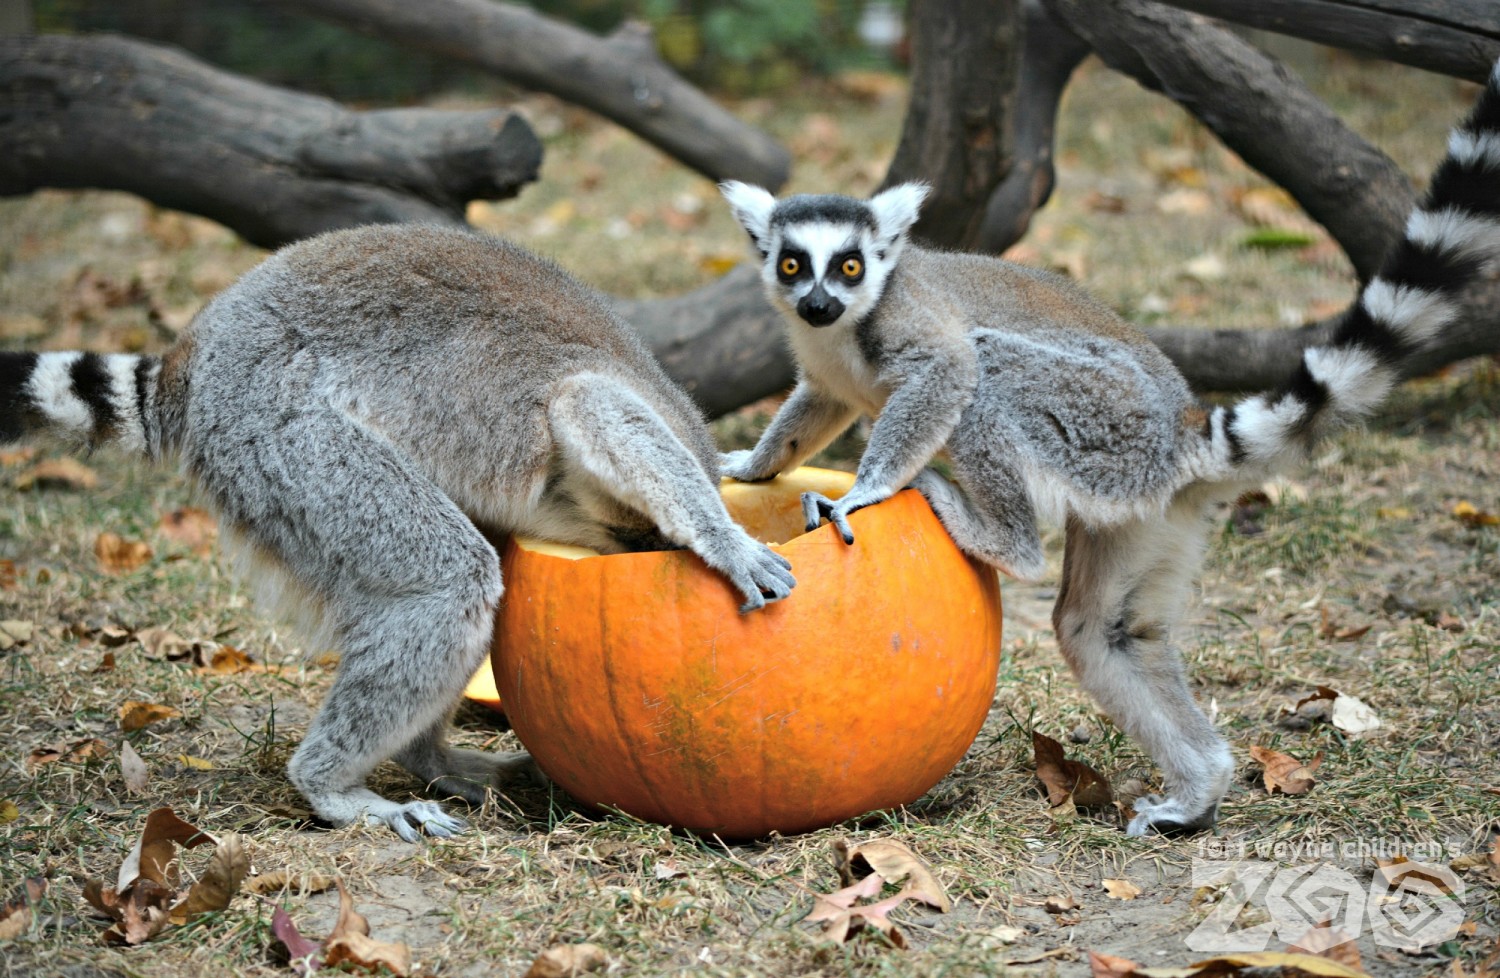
{"x": 826, "y": 257}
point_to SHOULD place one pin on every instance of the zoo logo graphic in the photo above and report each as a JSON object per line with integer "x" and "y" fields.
{"x": 1408, "y": 905}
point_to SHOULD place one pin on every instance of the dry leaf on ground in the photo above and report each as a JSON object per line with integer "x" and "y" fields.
{"x": 133, "y": 769}
{"x": 77, "y": 752}
{"x": 892, "y": 862}
{"x": 567, "y": 961}
{"x": 288, "y": 879}
{"x": 1059, "y": 904}
{"x": 1291, "y": 965}
{"x": 135, "y": 715}
{"x": 8, "y": 812}
{"x": 1121, "y": 889}
{"x": 1284, "y": 773}
{"x": 190, "y": 527}
{"x": 1393, "y": 872}
{"x": 351, "y": 945}
{"x": 1467, "y": 514}
{"x": 15, "y": 912}
{"x": 1347, "y": 713}
{"x": 1068, "y": 780}
{"x": 15, "y": 632}
{"x": 57, "y": 473}
{"x": 303, "y": 953}
{"x": 118, "y": 555}
{"x": 1329, "y": 942}
{"x": 226, "y": 660}
{"x": 158, "y": 643}
{"x": 147, "y": 895}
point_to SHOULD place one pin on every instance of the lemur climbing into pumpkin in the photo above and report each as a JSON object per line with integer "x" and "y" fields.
{"x": 352, "y": 408}
{"x": 1048, "y": 404}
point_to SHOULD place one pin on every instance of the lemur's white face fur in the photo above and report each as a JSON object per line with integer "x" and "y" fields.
{"x": 826, "y": 257}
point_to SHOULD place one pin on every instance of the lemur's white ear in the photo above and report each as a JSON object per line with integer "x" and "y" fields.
{"x": 752, "y": 207}
{"x": 896, "y": 209}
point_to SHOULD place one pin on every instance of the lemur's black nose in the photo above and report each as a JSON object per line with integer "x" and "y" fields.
{"x": 819, "y": 308}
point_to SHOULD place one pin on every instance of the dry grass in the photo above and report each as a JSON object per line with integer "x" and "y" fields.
{"x": 1366, "y": 536}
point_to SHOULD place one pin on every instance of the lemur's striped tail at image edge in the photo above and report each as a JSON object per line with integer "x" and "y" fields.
{"x": 1449, "y": 239}
{"x": 88, "y": 399}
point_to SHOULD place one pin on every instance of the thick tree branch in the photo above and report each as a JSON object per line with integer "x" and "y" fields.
{"x": 1049, "y": 53}
{"x": 272, "y": 164}
{"x": 620, "y": 77}
{"x": 956, "y": 135}
{"x": 1452, "y": 37}
{"x": 1259, "y": 109}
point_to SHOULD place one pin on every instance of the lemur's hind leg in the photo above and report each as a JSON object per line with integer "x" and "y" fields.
{"x": 991, "y": 517}
{"x": 1123, "y": 590}
{"x": 408, "y": 589}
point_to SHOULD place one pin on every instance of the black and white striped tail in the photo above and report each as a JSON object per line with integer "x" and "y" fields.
{"x": 87, "y": 399}
{"x": 1450, "y": 239}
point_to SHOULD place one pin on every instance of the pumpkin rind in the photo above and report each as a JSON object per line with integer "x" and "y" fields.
{"x": 636, "y": 684}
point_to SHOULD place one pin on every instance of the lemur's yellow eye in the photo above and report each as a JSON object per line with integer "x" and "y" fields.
{"x": 790, "y": 266}
{"x": 852, "y": 267}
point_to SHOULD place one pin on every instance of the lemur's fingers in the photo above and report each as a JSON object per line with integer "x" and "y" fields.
{"x": 412, "y": 819}
{"x": 817, "y": 507}
{"x": 768, "y": 579}
{"x": 736, "y": 465}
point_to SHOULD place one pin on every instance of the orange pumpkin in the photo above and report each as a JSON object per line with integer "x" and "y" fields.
{"x": 637, "y": 685}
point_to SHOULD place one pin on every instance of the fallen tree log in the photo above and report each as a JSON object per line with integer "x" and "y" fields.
{"x": 274, "y": 165}
{"x": 1451, "y": 37}
{"x": 620, "y": 77}
{"x": 1260, "y": 110}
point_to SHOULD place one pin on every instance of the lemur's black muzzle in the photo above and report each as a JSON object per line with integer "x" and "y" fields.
{"x": 819, "y": 308}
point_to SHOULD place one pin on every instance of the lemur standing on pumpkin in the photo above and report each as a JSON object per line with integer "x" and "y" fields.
{"x": 1048, "y": 403}
{"x": 353, "y": 407}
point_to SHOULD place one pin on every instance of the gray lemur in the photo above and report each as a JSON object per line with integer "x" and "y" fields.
{"x": 356, "y": 408}
{"x": 1048, "y": 404}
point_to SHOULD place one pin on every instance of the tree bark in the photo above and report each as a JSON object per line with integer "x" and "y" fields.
{"x": 272, "y": 164}
{"x": 1049, "y": 53}
{"x": 956, "y": 136}
{"x": 619, "y": 77}
{"x": 1451, "y": 37}
{"x": 1259, "y": 109}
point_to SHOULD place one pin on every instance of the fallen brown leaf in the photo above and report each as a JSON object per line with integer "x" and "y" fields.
{"x": 133, "y": 769}
{"x": 350, "y": 943}
{"x": 1068, "y": 780}
{"x": 1121, "y": 889}
{"x": 7, "y": 575}
{"x": 57, "y": 473}
{"x": 15, "y": 912}
{"x": 288, "y": 879}
{"x": 567, "y": 961}
{"x": 1108, "y": 966}
{"x": 118, "y": 555}
{"x": 1284, "y": 773}
{"x": 1289, "y": 964}
{"x": 135, "y": 715}
{"x": 154, "y": 856}
{"x": 1059, "y": 904}
{"x": 106, "y": 664}
{"x": 1329, "y": 942}
{"x": 78, "y": 752}
{"x": 15, "y": 632}
{"x": 893, "y": 862}
{"x": 190, "y": 527}
{"x": 298, "y": 948}
{"x": 158, "y": 643}
{"x": 218, "y": 883}
{"x": 1466, "y": 513}
{"x": 1391, "y": 872}
{"x": 226, "y": 660}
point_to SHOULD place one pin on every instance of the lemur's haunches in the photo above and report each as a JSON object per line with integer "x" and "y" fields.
{"x": 1048, "y": 403}
{"x": 353, "y": 408}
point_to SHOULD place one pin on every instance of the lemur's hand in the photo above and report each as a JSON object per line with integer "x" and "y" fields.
{"x": 736, "y": 465}
{"x": 759, "y": 573}
{"x": 817, "y": 507}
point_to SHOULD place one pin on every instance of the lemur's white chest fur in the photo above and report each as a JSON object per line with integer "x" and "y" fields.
{"x": 832, "y": 358}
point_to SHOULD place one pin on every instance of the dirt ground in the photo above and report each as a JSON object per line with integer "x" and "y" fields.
{"x": 1375, "y": 572}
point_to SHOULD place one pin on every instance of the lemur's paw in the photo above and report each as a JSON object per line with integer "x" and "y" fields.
{"x": 1168, "y": 816}
{"x": 414, "y": 818}
{"x": 471, "y": 773}
{"x": 759, "y": 573}
{"x": 817, "y": 507}
{"x": 736, "y": 465}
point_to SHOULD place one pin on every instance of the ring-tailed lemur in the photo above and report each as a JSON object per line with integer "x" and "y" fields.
{"x": 353, "y": 407}
{"x": 1047, "y": 402}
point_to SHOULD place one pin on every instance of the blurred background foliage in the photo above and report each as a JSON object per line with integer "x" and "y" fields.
{"x": 735, "y": 46}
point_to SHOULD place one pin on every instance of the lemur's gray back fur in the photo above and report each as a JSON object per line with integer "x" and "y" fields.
{"x": 358, "y": 408}
{"x": 1047, "y": 403}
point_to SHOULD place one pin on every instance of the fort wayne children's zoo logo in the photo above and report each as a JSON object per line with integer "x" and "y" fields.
{"x": 1282, "y": 890}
